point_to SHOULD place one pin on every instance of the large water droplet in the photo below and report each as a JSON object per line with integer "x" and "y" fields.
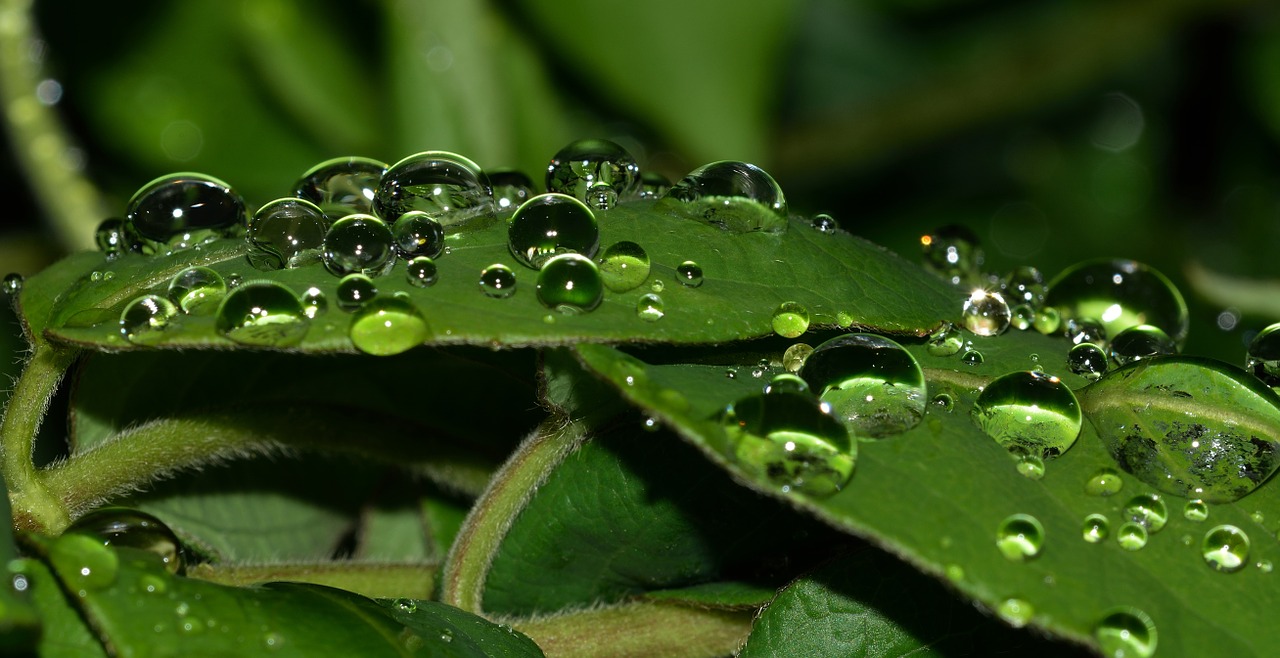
{"x": 1141, "y": 342}
{"x": 872, "y": 383}
{"x": 181, "y": 210}
{"x": 597, "y": 172}
{"x": 734, "y": 196}
{"x": 359, "y": 243}
{"x": 624, "y": 266}
{"x": 1105, "y": 482}
{"x": 197, "y": 290}
{"x": 1029, "y": 410}
{"x": 952, "y": 252}
{"x": 1148, "y": 510}
{"x": 388, "y": 325}
{"x": 985, "y": 313}
{"x": 1095, "y": 528}
{"x": 263, "y": 313}
{"x": 790, "y": 320}
{"x": 789, "y": 439}
{"x": 551, "y": 224}
{"x": 1126, "y": 633}
{"x": 421, "y": 272}
{"x": 511, "y": 188}
{"x": 570, "y": 283}
{"x": 1120, "y": 294}
{"x": 121, "y": 526}
{"x": 1263, "y": 356}
{"x": 85, "y": 562}
{"x": 498, "y": 281}
{"x": 650, "y": 307}
{"x": 354, "y": 291}
{"x": 1020, "y": 537}
{"x": 1087, "y": 360}
{"x": 144, "y": 318}
{"x": 417, "y": 234}
{"x": 286, "y": 233}
{"x": 341, "y": 186}
{"x": 1225, "y": 548}
{"x": 446, "y": 186}
{"x": 689, "y": 274}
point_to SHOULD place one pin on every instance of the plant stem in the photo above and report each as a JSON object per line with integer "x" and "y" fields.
{"x": 34, "y": 506}
{"x": 640, "y": 629}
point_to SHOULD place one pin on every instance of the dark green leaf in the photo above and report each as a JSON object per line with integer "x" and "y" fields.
{"x": 19, "y": 626}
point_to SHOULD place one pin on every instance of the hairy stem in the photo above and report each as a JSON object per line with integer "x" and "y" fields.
{"x": 34, "y": 506}
{"x": 640, "y": 629}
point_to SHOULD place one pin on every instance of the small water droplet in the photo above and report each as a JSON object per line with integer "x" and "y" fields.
{"x": 1104, "y": 482}
{"x": 650, "y": 424}
{"x": 624, "y": 266}
{"x": 551, "y": 224}
{"x": 180, "y": 210}
{"x": 12, "y": 285}
{"x": 387, "y": 326}
{"x": 1047, "y": 321}
{"x": 946, "y": 341}
{"x": 313, "y": 302}
{"x": 354, "y": 291}
{"x": 1120, "y": 294}
{"x": 421, "y": 272}
{"x": 145, "y": 318}
{"x": 114, "y": 237}
{"x": 952, "y": 252}
{"x": 1024, "y": 285}
{"x": 955, "y": 573}
{"x": 657, "y": 286}
{"x": 263, "y": 313}
{"x": 1087, "y": 360}
{"x": 1029, "y": 465}
{"x": 735, "y": 196}
{"x": 790, "y": 320}
{"x": 785, "y": 383}
{"x": 448, "y": 187}
{"x": 1126, "y": 633}
{"x": 794, "y": 357}
{"x": 873, "y": 384}
{"x": 408, "y": 606}
{"x": 790, "y": 440}
{"x": 272, "y": 641}
{"x": 1264, "y": 566}
{"x": 944, "y": 401}
{"x": 286, "y": 233}
{"x": 1095, "y": 528}
{"x": 597, "y": 172}
{"x": 121, "y": 526}
{"x": 1021, "y": 317}
{"x": 416, "y": 234}
{"x": 1225, "y": 548}
{"x": 985, "y": 313}
{"x": 197, "y": 290}
{"x": 1020, "y": 537}
{"x": 1263, "y": 356}
{"x": 152, "y": 584}
{"x": 511, "y": 188}
{"x": 1148, "y": 510}
{"x": 650, "y": 307}
{"x": 689, "y": 274}
{"x": 971, "y": 358}
{"x": 498, "y": 281}
{"x": 1131, "y": 536}
{"x": 1258, "y": 517}
{"x": 1016, "y": 612}
{"x": 359, "y": 244}
{"x": 824, "y": 223}
{"x": 85, "y": 562}
{"x": 341, "y": 186}
{"x": 570, "y": 283}
{"x": 1195, "y": 510}
{"x": 1029, "y": 410}
{"x": 1141, "y": 342}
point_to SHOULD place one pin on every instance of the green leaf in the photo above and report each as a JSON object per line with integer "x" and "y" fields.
{"x": 65, "y": 634}
{"x": 841, "y": 280}
{"x": 134, "y": 607}
{"x": 19, "y": 625}
{"x": 937, "y": 494}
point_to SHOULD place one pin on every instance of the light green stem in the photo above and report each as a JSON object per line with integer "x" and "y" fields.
{"x": 639, "y": 630}
{"x": 34, "y": 506}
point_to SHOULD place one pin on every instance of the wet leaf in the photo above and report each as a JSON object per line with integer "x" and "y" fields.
{"x": 19, "y": 625}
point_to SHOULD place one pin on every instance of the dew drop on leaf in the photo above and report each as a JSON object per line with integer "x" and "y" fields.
{"x": 1095, "y": 528}
{"x": 1131, "y": 536}
{"x": 144, "y": 318}
{"x": 85, "y": 562}
{"x": 971, "y": 358}
{"x": 786, "y": 383}
{"x": 790, "y": 320}
{"x": 1020, "y": 537}
{"x": 1119, "y": 294}
{"x": 197, "y": 290}
{"x": 1080, "y": 332}
{"x": 387, "y": 326}
{"x": 945, "y": 341}
{"x": 354, "y": 291}
{"x": 689, "y": 274}
{"x": 1024, "y": 285}
{"x": 272, "y": 641}
{"x": 1047, "y": 320}
{"x": 1087, "y": 360}
{"x": 1029, "y": 465}
{"x": 1031, "y": 411}
{"x": 872, "y": 384}
{"x": 1148, "y": 510}
{"x": 113, "y": 237}
{"x": 653, "y": 185}
{"x": 1021, "y": 317}
{"x": 944, "y": 401}
{"x": 624, "y": 266}
{"x": 570, "y": 284}
{"x": 1263, "y": 355}
{"x": 180, "y": 210}
{"x": 421, "y": 272}
{"x": 286, "y": 233}
{"x": 1195, "y": 510}
{"x": 985, "y": 313}
{"x": 551, "y": 224}
{"x": 1126, "y": 633}
{"x": 314, "y": 302}
{"x": 416, "y": 233}
{"x": 1104, "y": 482}
{"x": 511, "y": 188}
{"x": 264, "y": 314}
{"x": 341, "y": 186}
{"x": 1015, "y": 611}
{"x": 12, "y": 284}
{"x": 597, "y": 172}
{"x": 447, "y": 186}
{"x": 735, "y": 196}
{"x": 1225, "y": 548}
{"x": 794, "y": 357}
{"x": 498, "y": 281}
{"x": 121, "y": 526}
{"x": 790, "y": 440}
{"x": 952, "y": 252}
{"x": 650, "y": 307}
{"x": 824, "y": 223}
{"x": 359, "y": 243}
{"x": 1141, "y": 342}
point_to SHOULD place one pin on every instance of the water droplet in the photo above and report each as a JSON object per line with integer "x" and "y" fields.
{"x": 408, "y": 606}
{"x": 944, "y": 401}
{"x": 1263, "y": 356}
{"x": 197, "y": 290}
{"x": 180, "y": 210}
{"x": 1029, "y": 410}
{"x": 1021, "y": 317}
{"x": 1029, "y": 465}
{"x": 653, "y": 185}
{"x": 233, "y": 280}
{"x": 448, "y": 187}
{"x": 1258, "y": 517}
{"x": 152, "y": 584}
{"x": 1120, "y": 294}
{"x": 341, "y": 186}
{"x": 1141, "y": 342}
{"x": 946, "y": 341}
{"x": 873, "y": 385}
{"x": 1195, "y": 510}
{"x": 416, "y": 234}
{"x": 657, "y": 286}
{"x": 570, "y": 283}
{"x": 650, "y": 307}
{"x": 143, "y": 320}
{"x": 498, "y": 281}
{"x": 354, "y": 291}
{"x": 1080, "y": 332}
{"x": 359, "y": 243}
{"x": 1087, "y": 360}
{"x": 789, "y": 439}
{"x": 446, "y": 636}
{"x": 1047, "y": 321}
{"x": 272, "y": 641}
{"x": 12, "y": 285}
{"x": 793, "y": 359}
{"x": 952, "y": 252}
{"x": 511, "y": 188}
{"x": 624, "y": 266}
{"x": 1016, "y": 612}
{"x": 120, "y": 526}
{"x": 313, "y": 302}
{"x": 263, "y": 313}
{"x": 1264, "y": 566}
{"x": 985, "y": 313}
{"x": 1225, "y": 548}
{"x": 1105, "y": 482}
{"x": 597, "y": 172}
{"x": 824, "y": 223}
{"x": 114, "y": 237}
{"x": 689, "y": 274}
{"x": 286, "y": 233}
{"x": 388, "y": 325}
{"x": 971, "y": 358}
{"x": 84, "y": 562}
{"x": 1126, "y": 633}
{"x": 1020, "y": 537}
{"x": 551, "y": 224}
{"x": 1131, "y": 536}
{"x": 1024, "y": 285}
{"x": 735, "y": 196}
{"x": 421, "y": 272}
{"x": 1095, "y": 528}
{"x": 790, "y": 320}
{"x": 1148, "y": 510}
